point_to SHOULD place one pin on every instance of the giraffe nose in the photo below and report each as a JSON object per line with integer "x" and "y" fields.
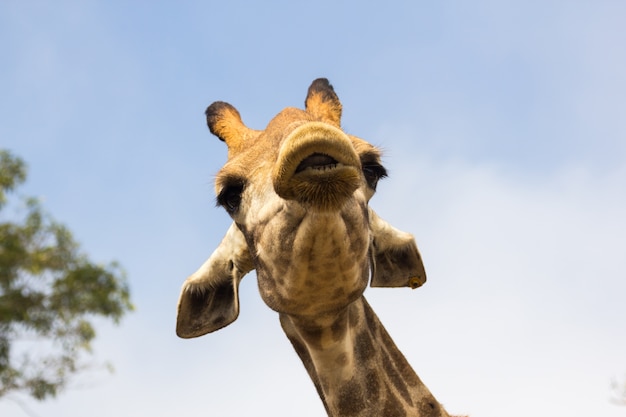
{"x": 317, "y": 165}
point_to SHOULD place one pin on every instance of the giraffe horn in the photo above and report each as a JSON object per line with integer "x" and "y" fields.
{"x": 225, "y": 122}
{"x": 322, "y": 102}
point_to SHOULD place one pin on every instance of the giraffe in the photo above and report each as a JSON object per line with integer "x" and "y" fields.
{"x": 298, "y": 193}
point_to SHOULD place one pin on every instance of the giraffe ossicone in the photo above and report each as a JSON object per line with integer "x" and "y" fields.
{"x": 298, "y": 193}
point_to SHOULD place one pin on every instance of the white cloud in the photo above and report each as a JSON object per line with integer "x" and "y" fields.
{"x": 525, "y": 299}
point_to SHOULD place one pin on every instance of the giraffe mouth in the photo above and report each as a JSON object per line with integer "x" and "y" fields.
{"x": 317, "y": 162}
{"x": 317, "y": 165}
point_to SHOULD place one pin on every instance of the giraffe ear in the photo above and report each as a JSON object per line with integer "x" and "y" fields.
{"x": 225, "y": 122}
{"x": 395, "y": 260}
{"x": 209, "y": 299}
{"x": 322, "y": 102}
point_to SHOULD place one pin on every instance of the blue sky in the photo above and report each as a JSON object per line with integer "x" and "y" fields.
{"x": 504, "y": 132}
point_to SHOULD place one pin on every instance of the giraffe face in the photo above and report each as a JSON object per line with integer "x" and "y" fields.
{"x": 299, "y": 191}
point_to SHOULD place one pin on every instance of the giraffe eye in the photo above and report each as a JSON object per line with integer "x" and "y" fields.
{"x": 230, "y": 197}
{"x": 373, "y": 172}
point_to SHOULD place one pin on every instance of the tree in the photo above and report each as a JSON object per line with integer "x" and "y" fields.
{"x": 50, "y": 293}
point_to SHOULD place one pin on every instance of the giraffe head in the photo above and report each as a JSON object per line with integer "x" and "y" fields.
{"x": 298, "y": 193}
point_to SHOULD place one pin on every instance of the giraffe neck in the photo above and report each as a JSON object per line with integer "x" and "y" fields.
{"x": 356, "y": 367}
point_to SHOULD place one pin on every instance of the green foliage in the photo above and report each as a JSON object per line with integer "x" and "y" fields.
{"x": 12, "y": 174}
{"x": 49, "y": 294}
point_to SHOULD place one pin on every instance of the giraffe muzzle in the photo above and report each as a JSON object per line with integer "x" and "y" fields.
{"x": 317, "y": 166}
